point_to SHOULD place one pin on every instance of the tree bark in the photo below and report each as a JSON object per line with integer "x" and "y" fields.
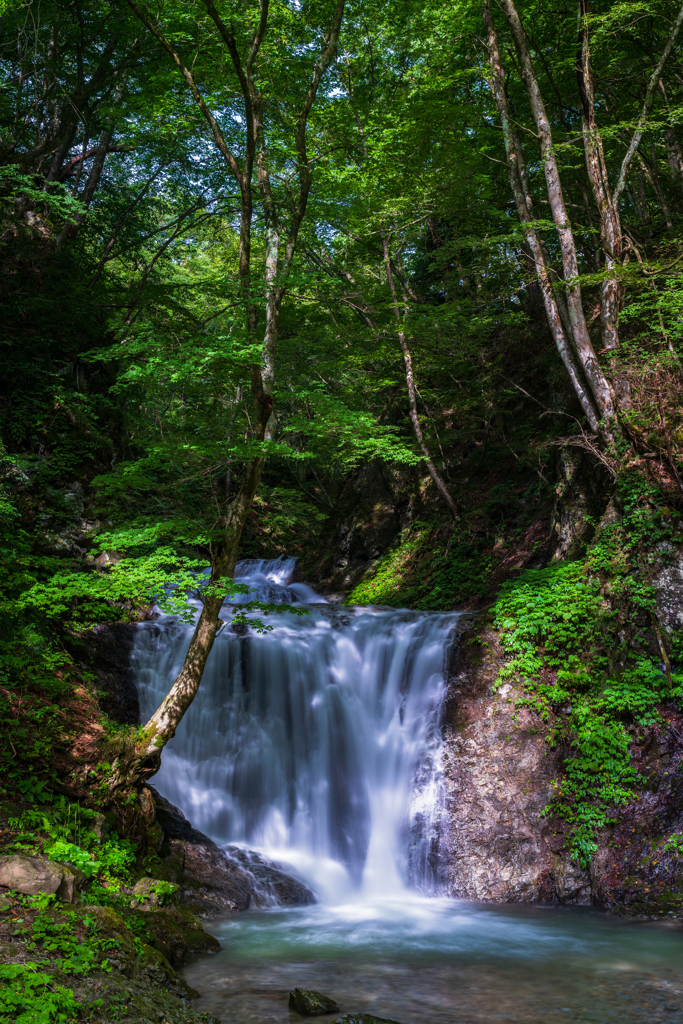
{"x": 597, "y": 381}
{"x": 611, "y": 290}
{"x": 410, "y": 383}
{"x": 520, "y": 191}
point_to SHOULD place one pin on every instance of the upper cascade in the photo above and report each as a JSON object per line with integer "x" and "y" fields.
{"x": 270, "y": 579}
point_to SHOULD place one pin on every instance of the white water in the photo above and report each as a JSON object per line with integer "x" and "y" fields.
{"x": 317, "y": 743}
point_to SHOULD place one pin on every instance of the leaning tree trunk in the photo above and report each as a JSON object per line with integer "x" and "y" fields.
{"x": 135, "y": 765}
{"x": 138, "y": 763}
{"x": 552, "y": 300}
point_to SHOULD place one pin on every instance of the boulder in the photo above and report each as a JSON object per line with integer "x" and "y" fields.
{"x": 31, "y": 875}
{"x": 309, "y": 1003}
{"x": 177, "y": 933}
{"x": 221, "y": 880}
{"x": 156, "y": 970}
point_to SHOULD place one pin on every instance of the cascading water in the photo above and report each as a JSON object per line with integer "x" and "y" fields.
{"x": 318, "y": 742}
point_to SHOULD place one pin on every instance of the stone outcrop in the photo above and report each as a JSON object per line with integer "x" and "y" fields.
{"x": 581, "y": 496}
{"x": 371, "y": 512}
{"x": 106, "y": 650}
{"x": 32, "y": 875}
{"x": 499, "y": 773}
{"x": 668, "y": 583}
{"x": 215, "y": 880}
{"x": 362, "y": 1018}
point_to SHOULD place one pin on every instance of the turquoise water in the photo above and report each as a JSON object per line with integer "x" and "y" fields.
{"x": 415, "y": 960}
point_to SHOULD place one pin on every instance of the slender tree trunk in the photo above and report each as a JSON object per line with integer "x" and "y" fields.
{"x": 597, "y": 381}
{"x": 138, "y": 764}
{"x": 611, "y": 289}
{"x": 552, "y": 301}
{"x": 652, "y": 87}
{"x": 410, "y": 383}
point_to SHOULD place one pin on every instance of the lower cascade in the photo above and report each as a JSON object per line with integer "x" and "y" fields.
{"x": 318, "y": 742}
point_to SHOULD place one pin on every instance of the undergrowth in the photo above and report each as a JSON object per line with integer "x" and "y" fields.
{"x": 64, "y": 943}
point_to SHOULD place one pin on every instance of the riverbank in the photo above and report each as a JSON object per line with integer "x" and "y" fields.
{"x": 95, "y": 930}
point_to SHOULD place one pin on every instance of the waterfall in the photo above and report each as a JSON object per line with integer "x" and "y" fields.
{"x": 319, "y": 742}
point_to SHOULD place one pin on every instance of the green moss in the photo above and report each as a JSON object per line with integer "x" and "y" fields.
{"x": 428, "y": 569}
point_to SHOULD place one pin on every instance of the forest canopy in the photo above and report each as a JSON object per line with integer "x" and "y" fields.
{"x": 247, "y": 248}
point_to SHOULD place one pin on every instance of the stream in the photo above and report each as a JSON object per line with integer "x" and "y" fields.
{"x": 318, "y": 744}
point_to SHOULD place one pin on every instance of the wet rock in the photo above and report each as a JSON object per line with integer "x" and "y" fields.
{"x": 177, "y": 933}
{"x": 272, "y": 884}
{"x": 499, "y": 845}
{"x": 31, "y": 875}
{"x": 362, "y": 1018}
{"x": 310, "y": 1003}
{"x": 216, "y": 881}
{"x": 572, "y": 883}
{"x": 136, "y": 1001}
{"x": 156, "y": 970}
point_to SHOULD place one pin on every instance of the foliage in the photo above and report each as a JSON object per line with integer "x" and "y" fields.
{"x": 675, "y": 844}
{"x": 427, "y": 569}
{"x": 30, "y": 996}
{"x": 562, "y": 629}
{"x": 62, "y": 832}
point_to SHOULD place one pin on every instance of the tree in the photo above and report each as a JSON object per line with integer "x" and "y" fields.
{"x": 242, "y": 36}
{"x": 570, "y": 330}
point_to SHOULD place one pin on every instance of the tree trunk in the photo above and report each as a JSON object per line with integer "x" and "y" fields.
{"x": 597, "y": 381}
{"x": 611, "y": 290}
{"x": 410, "y": 383}
{"x": 520, "y": 190}
{"x": 136, "y": 765}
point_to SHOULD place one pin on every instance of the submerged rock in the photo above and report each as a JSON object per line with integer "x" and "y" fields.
{"x": 31, "y": 875}
{"x": 362, "y": 1018}
{"x": 309, "y": 1003}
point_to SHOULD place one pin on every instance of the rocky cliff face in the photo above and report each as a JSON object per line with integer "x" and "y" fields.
{"x": 499, "y": 771}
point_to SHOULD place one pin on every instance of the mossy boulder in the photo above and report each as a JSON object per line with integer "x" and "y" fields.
{"x": 310, "y": 1003}
{"x": 176, "y": 933}
{"x": 155, "y": 969}
{"x": 115, "y": 998}
{"x": 33, "y": 875}
{"x": 147, "y": 893}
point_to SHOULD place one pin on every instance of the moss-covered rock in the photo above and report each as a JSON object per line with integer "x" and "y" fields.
{"x": 176, "y": 933}
{"x": 154, "y": 968}
{"x": 136, "y": 1001}
{"x": 310, "y": 1003}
